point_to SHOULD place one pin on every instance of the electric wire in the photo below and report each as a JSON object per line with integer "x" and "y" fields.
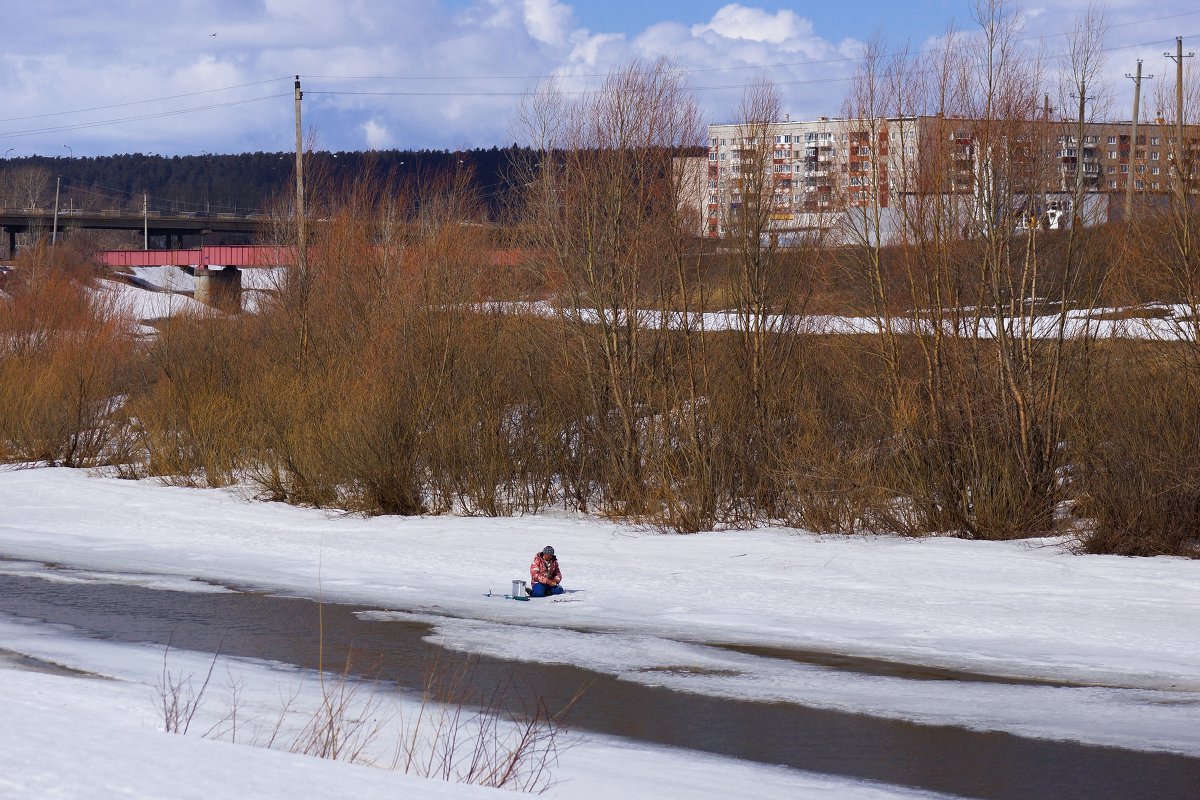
{"x": 138, "y": 118}
{"x": 144, "y": 102}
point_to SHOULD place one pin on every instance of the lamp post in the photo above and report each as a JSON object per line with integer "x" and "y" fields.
{"x": 70, "y": 150}
{"x": 5, "y": 196}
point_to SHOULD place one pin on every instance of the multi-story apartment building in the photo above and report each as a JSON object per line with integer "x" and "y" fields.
{"x": 812, "y": 168}
{"x": 810, "y": 173}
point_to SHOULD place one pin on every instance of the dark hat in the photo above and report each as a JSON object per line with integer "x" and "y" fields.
{"x": 548, "y": 550}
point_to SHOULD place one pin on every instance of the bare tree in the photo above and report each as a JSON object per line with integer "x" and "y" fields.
{"x": 604, "y": 208}
{"x": 25, "y": 186}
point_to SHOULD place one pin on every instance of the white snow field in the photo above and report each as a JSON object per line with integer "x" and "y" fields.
{"x": 650, "y": 608}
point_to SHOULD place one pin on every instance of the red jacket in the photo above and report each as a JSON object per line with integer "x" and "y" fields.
{"x": 544, "y": 570}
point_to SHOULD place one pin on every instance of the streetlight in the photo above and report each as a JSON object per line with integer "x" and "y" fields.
{"x": 10, "y": 247}
{"x": 70, "y": 149}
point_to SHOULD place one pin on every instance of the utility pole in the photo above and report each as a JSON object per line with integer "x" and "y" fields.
{"x": 1133, "y": 138}
{"x": 301, "y": 260}
{"x": 1180, "y": 148}
{"x": 1076, "y": 213}
{"x": 301, "y": 239}
{"x": 146, "y": 221}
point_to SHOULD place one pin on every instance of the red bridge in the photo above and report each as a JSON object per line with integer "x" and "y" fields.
{"x": 215, "y": 256}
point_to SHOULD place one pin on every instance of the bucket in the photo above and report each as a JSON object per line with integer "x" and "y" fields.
{"x": 518, "y": 589}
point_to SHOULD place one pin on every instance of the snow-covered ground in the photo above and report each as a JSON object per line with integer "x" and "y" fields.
{"x": 143, "y": 304}
{"x": 1158, "y": 322}
{"x": 163, "y": 292}
{"x": 166, "y": 290}
{"x": 651, "y": 608}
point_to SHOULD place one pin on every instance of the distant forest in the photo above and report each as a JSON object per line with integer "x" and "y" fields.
{"x": 232, "y": 184}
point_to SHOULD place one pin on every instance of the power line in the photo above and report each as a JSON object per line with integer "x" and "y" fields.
{"x": 79, "y": 187}
{"x": 138, "y": 118}
{"x": 143, "y": 102}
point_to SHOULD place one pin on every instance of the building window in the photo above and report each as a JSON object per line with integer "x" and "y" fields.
{"x": 1112, "y": 170}
{"x": 1112, "y": 184}
{"x": 1112, "y": 153}
{"x": 1154, "y": 155}
{"x": 1124, "y": 168}
{"x": 1154, "y": 141}
{"x": 1112, "y": 140}
{"x": 1155, "y": 171}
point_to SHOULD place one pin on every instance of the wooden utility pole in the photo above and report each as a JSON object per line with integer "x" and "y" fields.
{"x": 1180, "y": 146}
{"x": 146, "y": 221}
{"x": 301, "y": 260}
{"x": 301, "y": 237}
{"x": 1133, "y": 138}
{"x": 1077, "y": 202}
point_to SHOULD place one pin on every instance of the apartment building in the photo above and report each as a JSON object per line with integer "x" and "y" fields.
{"x": 812, "y": 168}
{"x": 813, "y": 173}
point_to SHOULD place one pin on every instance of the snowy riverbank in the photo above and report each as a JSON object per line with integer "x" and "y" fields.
{"x": 651, "y": 608}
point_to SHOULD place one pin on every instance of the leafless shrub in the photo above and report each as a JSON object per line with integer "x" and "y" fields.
{"x": 179, "y": 699}
{"x": 1133, "y": 464}
{"x": 455, "y": 734}
{"x": 459, "y": 736}
{"x": 65, "y": 349}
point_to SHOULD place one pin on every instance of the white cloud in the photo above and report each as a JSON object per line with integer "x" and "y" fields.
{"x": 377, "y": 135}
{"x": 548, "y": 21}
{"x": 441, "y": 59}
{"x": 741, "y": 22}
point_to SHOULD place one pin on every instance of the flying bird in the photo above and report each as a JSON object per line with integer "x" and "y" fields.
{"x": 212, "y": 34}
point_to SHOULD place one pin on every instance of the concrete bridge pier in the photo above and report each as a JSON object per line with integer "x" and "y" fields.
{"x": 220, "y": 287}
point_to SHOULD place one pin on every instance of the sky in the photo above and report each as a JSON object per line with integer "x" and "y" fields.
{"x": 179, "y": 77}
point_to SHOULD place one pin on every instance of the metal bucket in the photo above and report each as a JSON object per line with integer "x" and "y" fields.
{"x": 518, "y": 589}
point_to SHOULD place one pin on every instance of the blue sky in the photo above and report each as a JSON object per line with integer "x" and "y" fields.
{"x": 834, "y": 20}
{"x": 86, "y": 78}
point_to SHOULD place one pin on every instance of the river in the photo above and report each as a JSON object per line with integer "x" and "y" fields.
{"x": 307, "y": 634}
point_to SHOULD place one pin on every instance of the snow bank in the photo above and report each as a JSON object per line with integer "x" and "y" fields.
{"x": 664, "y": 609}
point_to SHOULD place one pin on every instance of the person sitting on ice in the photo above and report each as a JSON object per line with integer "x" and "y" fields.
{"x": 544, "y": 574}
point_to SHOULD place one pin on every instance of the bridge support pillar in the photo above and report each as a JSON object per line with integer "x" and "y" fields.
{"x": 220, "y": 287}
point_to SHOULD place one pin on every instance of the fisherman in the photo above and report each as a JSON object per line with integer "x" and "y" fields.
{"x": 544, "y": 574}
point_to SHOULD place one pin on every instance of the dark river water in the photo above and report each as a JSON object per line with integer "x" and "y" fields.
{"x": 937, "y": 758}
